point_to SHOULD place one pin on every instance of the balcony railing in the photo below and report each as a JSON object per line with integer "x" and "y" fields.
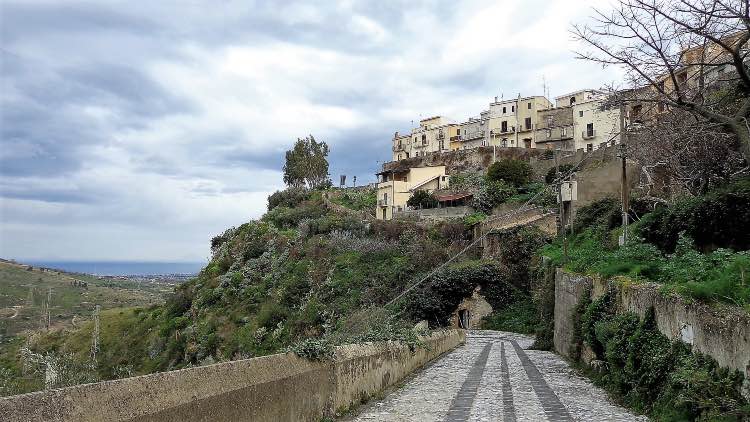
{"x": 473, "y": 135}
{"x": 399, "y": 147}
{"x": 382, "y": 202}
{"x": 588, "y": 134}
{"x": 524, "y": 128}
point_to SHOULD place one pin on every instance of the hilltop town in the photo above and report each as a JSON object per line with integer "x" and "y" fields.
{"x": 585, "y": 259}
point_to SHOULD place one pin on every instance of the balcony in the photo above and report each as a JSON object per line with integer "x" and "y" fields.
{"x": 505, "y": 131}
{"x": 455, "y": 138}
{"x": 473, "y": 135}
{"x": 588, "y": 134}
{"x": 525, "y": 128}
{"x": 398, "y": 147}
{"x": 382, "y": 203}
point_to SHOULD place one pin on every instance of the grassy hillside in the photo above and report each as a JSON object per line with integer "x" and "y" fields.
{"x": 24, "y": 291}
{"x": 293, "y": 278}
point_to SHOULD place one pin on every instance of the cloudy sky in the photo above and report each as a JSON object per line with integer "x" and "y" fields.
{"x": 136, "y": 130}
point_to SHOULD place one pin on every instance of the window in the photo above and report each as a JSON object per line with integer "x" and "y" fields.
{"x": 504, "y": 110}
{"x": 580, "y": 113}
{"x": 549, "y": 133}
{"x": 527, "y": 122}
{"x": 528, "y": 105}
{"x": 385, "y": 198}
{"x": 504, "y": 126}
{"x": 562, "y": 131}
{"x": 589, "y": 129}
{"x": 550, "y": 121}
{"x": 589, "y": 147}
{"x": 505, "y": 142}
{"x": 572, "y": 100}
{"x": 512, "y": 109}
{"x": 635, "y": 112}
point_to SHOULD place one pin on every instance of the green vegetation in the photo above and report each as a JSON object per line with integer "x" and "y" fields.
{"x": 73, "y": 298}
{"x": 24, "y": 292}
{"x": 650, "y": 374}
{"x": 511, "y": 171}
{"x": 422, "y": 199}
{"x": 518, "y": 317}
{"x": 360, "y": 199}
{"x": 719, "y": 219}
{"x": 306, "y": 164}
{"x": 303, "y": 278}
{"x": 720, "y": 275}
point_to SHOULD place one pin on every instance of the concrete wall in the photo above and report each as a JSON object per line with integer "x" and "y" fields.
{"x": 723, "y": 334}
{"x": 434, "y": 214}
{"x": 280, "y": 387}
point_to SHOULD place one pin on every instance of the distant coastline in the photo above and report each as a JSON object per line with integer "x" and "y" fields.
{"x": 119, "y": 268}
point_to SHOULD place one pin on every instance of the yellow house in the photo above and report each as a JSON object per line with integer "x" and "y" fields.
{"x": 395, "y": 187}
{"x": 512, "y": 122}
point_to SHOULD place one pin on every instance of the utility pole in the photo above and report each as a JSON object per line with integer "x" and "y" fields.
{"x": 561, "y": 205}
{"x": 624, "y": 177}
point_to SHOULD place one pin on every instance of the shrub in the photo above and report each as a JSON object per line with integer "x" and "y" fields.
{"x": 605, "y": 213}
{"x": 717, "y": 220}
{"x": 289, "y": 197}
{"x": 654, "y": 375}
{"x": 517, "y": 317}
{"x": 287, "y": 218}
{"x": 438, "y": 297}
{"x": 514, "y": 172}
{"x": 422, "y": 199}
{"x": 491, "y": 194}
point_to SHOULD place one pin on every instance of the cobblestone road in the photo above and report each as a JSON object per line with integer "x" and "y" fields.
{"x": 494, "y": 378}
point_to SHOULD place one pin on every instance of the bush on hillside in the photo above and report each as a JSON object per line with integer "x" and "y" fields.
{"x": 422, "y": 199}
{"x": 717, "y": 220}
{"x": 514, "y": 172}
{"x": 289, "y": 197}
{"x": 289, "y": 218}
{"x": 436, "y": 300}
{"x": 605, "y": 213}
{"x": 491, "y": 194}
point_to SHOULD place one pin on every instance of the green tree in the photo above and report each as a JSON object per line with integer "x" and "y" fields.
{"x": 515, "y": 172}
{"x": 422, "y": 199}
{"x": 306, "y": 164}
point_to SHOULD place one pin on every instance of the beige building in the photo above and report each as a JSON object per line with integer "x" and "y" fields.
{"x": 513, "y": 123}
{"x": 596, "y": 124}
{"x": 432, "y": 135}
{"x": 396, "y": 187}
{"x": 580, "y": 120}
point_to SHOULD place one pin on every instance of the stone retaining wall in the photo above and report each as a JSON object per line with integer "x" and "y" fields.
{"x": 280, "y": 387}
{"x": 722, "y": 333}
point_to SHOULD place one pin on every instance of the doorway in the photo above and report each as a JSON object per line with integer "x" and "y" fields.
{"x": 464, "y": 319}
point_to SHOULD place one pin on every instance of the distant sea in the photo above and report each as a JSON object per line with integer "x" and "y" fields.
{"x": 122, "y": 268}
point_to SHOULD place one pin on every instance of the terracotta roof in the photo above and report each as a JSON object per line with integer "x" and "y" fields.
{"x": 453, "y": 196}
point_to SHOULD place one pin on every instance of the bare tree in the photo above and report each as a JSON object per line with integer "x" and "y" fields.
{"x": 690, "y": 55}
{"x": 684, "y": 153}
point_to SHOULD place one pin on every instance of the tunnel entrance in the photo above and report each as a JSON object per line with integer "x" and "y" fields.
{"x": 463, "y": 319}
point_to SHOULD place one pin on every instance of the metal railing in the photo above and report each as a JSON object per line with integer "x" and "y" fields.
{"x": 588, "y": 134}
